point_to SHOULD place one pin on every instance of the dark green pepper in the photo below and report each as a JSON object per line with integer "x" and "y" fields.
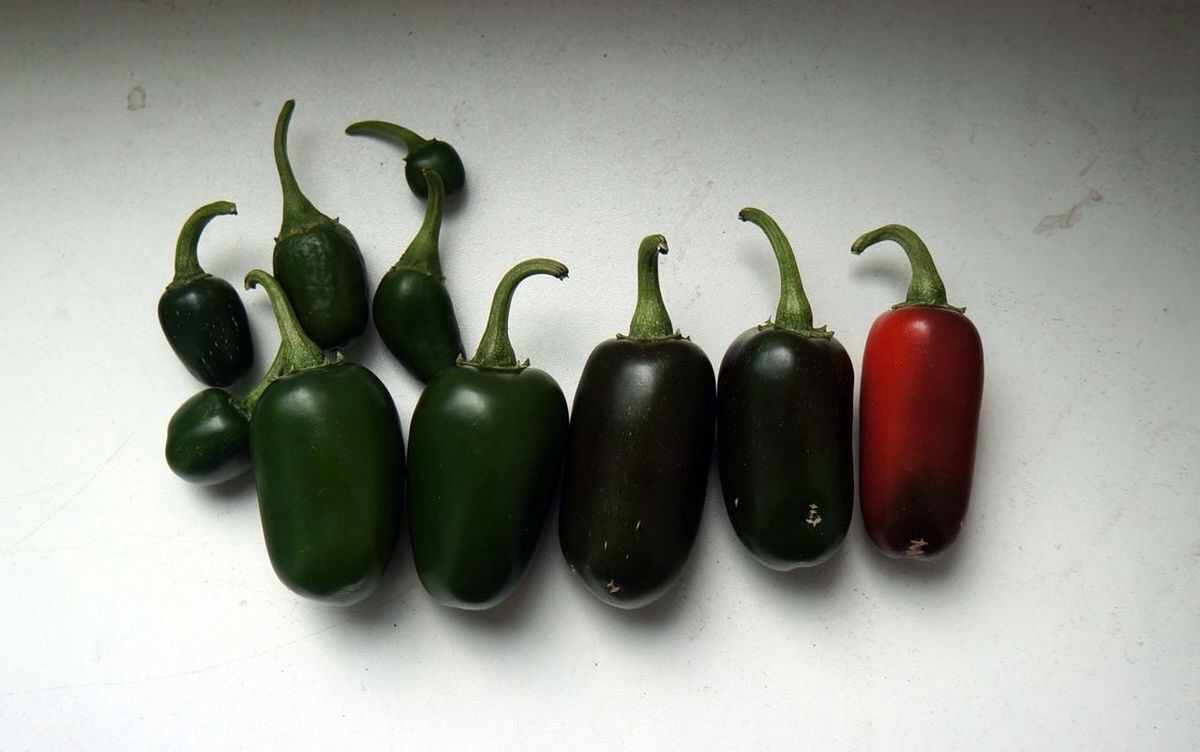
{"x": 202, "y": 315}
{"x": 317, "y": 260}
{"x": 485, "y": 455}
{"x": 328, "y": 462}
{"x": 785, "y": 426}
{"x": 640, "y": 450}
{"x": 423, "y": 154}
{"x": 412, "y": 308}
{"x": 208, "y": 438}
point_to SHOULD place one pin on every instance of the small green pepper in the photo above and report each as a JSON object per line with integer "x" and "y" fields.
{"x": 317, "y": 260}
{"x": 423, "y": 154}
{"x": 328, "y": 463}
{"x": 485, "y": 454}
{"x": 208, "y": 437}
{"x": 202, "y": 315}
{"x": 412, "y": 308}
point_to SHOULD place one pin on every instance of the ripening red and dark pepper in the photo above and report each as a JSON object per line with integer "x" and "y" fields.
{"x": 201, "y": 315}
{"x": 785, "y": 424}
{"x": 922, "y": 386}
{"x": 640, "y": 449}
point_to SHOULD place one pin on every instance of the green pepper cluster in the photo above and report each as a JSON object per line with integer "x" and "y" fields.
{"x": 492, "y": 441}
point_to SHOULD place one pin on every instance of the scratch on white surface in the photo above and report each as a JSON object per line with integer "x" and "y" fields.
{"x": 1068, "y": 219}
{"x": 73, "y": 496}
{"x": 213, "y": 666}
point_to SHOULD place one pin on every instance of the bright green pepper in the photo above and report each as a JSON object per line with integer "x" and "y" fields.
{"x": 317, "y": 260}
{"x": 485, "y": 453}
{"x": 423, "y": 154}
{"x": 412, "y": 308}
{"x": 202, "y": 315}
{"x": 328, "y": 462}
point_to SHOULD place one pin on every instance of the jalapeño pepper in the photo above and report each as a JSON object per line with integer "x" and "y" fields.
{"x": 640, "y": 450}
{"x": 412, "y": 309}
{"x": 785, "y": 426}
{"x": 316, "y": 259}
{"x": 423, "y": 154}
{"x": 328, "y": 463}
{"x": 922, "y": 385}
{"x": 485, "y": 455}
{"x": 202, "y": 315}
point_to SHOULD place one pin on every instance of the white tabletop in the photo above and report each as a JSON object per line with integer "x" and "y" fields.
{"x": 1048, "y": 156}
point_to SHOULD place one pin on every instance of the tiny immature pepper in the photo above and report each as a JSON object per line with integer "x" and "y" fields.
{"x": 202, "y": 315}
{"x": 639, "y": 454}
{"x": 785, "y": 426}
{"x": 317, "y": 260}
{"x": 423, "y": 154}
{"x": 208, "y": 437}
{"x": 485, "y": 455}
{"x": 922, "y": 385}
{"x": 328, "y": 462}
{"x": 412, "y": 308}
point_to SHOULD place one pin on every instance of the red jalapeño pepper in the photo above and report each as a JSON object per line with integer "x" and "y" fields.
{"x": 922, "y": 383}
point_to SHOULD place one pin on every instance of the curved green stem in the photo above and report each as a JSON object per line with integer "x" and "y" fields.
{"x": 297, "y": 351}
{"x": 299, "y": 214}
{"x": 650, "y": 318}
{"x": 422, "y": 254}
{"x": 187, "y": 265}
{"x": 247, "y": 404}
{"x": 794, "y": 311}
{"x": 926, "y": 288}
{"x": 388, "y": 132}
{"x": 495, "y": 349}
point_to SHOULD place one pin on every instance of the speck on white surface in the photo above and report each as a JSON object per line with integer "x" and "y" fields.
{"x": 1047, "y": 152}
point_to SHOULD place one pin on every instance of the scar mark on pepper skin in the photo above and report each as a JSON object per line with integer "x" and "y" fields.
{"x": 915, "y": 548}
{"x": 813, "y": 518}
{"x": 612, "y": 587}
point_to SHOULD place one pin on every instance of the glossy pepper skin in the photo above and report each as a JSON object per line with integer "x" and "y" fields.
{"x": 785, "y": 426}
{"x": 201, "y": 315}
{"x": 922, "y": 386}
{"x": 317, "y": 260}
{"x": 208, "y": 437}
{"x": 640, "y": 448}
{"x": 485, "y": 455}
{"x": 423, "y": 154}
{"x": 328, "y": 462}
{"x": 412, "y": 309}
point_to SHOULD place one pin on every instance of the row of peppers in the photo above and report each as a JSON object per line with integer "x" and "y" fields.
{"x": 491, "y": 439}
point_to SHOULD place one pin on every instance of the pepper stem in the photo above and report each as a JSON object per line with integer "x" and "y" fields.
{"x": 926, "y": 288}
{"x": 299, "y": 215}
{"x": 247, "y": 404}
{"x": 650, "y": 318}
{"x": 422, "y": 254}
{"x": 794, "y": 312}
{"x": 495, "y": 349}
{"x": 388, "y": 132}
{"x": 187, "y": 265}
{"x": 297, "y": 351}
